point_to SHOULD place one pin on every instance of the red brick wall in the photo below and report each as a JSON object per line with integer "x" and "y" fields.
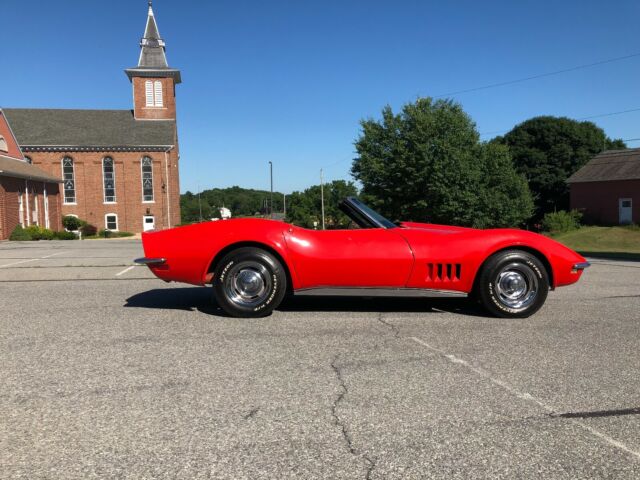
{"x": 129, "y": 206}
{"x": 11, "y": 188}
{"x": 14, "y": 150}
{"x": 140, "y": 109}
{"x": 599, "y": 201}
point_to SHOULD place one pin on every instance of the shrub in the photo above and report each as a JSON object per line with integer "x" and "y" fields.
{"x": 19, "y": 234}
{"x": 88, "y": 230}
{"x": 105, "y": 233}
{"x": 562, "y": 221}
{"x": 64, "y": 235}
{"x": 39, "y": 233}
{"x": 71, "y": 223}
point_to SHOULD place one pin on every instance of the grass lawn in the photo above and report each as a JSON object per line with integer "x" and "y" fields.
{"x": 607, "y": 242}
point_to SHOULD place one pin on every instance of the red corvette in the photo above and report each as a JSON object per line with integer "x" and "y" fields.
{"x": 253, "y": 263}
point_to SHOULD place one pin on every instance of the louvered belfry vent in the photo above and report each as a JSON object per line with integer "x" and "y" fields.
{"x": 444, "y": 272}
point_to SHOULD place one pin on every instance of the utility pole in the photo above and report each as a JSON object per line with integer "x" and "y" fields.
{"x": 271, "y": 197}
{"x": 322, "y": 196}
{"x": 199, "y": 202}
{"x": 284, "y": 203}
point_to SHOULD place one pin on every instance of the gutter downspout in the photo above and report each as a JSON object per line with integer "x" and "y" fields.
{"x": 166, "y": 174}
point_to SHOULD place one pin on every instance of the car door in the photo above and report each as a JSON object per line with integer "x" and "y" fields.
{"x": 375, "y": 257}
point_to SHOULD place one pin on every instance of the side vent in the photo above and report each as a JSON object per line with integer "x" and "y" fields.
{"x": 444, "y": 272}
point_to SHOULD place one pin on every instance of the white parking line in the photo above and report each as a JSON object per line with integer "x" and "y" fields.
{"x": 527, "y": 397}
{"x": 125, "y": 270}
{"x": 30, "y": 260}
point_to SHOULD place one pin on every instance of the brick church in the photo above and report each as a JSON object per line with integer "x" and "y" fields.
{"x": 118, "y": 168}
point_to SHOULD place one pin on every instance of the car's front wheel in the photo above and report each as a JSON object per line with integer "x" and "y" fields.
{"x": 513, "y": 284}
{"x": 249, "y": 282}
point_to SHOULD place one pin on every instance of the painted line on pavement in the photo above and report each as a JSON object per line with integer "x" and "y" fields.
{"x": 125, "y": 270}
{"x": 527, "y": 397}
{"x": 30, "y": 260}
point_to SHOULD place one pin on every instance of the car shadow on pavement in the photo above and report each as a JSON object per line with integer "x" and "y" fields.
{"x": 201, "y": 299}
{"x": 182, "y": 298}
{"x": 381, "y": 304}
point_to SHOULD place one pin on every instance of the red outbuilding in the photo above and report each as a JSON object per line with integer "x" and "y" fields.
{"x": 28, "y": 195}
{"x": 607, "y": 188}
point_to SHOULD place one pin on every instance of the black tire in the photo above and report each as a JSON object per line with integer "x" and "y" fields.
{"x": 513, "y": 284}
{"x": 249, "y": 282}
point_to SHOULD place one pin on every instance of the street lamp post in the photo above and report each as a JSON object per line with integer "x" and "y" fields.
{"x": 322, "y": 196}
{"x": 271, "y": 196}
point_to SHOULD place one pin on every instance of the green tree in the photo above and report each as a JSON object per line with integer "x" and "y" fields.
{"x": 427, "y": 164}
{"x": 548, "y": 150}
{"x": 304, "y": 208}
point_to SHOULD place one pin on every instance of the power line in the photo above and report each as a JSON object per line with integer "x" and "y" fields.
{"x": 541, "y": 75}
{"x": 580, "y": 118}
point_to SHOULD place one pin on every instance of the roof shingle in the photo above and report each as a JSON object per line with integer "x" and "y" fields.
{"x": 88, "y": 128}
{"x": 610, "y": 165}
{"x": 11, "y": 167}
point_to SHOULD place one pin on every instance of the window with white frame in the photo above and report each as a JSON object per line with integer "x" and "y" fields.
{"x": 68, "y": 177}
{"x": 153, "y": 93}
{"x": 111, "y": 221}
{"x": 147, "y": 179}
{"x": 109, "y": 180}
{"x": 3, "y": 144}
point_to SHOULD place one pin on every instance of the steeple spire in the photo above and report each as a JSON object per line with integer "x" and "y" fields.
{"x": 153, "y": 56}
{"x": 152, "y": 53}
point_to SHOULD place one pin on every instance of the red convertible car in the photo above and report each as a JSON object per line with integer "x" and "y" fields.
{"x": 253, "y": 263}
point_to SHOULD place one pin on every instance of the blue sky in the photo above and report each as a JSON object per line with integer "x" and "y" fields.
{"x": 288, "y": 81}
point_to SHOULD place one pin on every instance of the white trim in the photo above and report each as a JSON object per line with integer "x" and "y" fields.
{"x": 20, "y": 208}
{"x": 37, "y": 211}
{"x": 26, "y": 191}
{"x": 106, "y": 224}
{"x": 45, "y": 200}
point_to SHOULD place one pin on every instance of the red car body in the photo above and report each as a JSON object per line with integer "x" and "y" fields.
{"x": 413, "y": 256}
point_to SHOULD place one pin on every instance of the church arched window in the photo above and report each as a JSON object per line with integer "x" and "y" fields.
{"x": 147, "y": 179}
{"x": 109, "y": 180}
{"x": 68, "y": 177}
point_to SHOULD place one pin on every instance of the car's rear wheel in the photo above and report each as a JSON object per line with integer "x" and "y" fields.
{"x": 249, "y": 282}
{"x": 513, "y": 284}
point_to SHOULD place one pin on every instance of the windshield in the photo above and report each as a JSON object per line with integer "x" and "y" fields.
{"x": 372, "y": 214}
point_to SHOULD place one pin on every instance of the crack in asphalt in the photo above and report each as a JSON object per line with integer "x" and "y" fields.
{"x": 394, "y": 329}
{"x": 338, "y": 422}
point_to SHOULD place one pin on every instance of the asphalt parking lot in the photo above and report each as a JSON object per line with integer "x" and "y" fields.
{"x": 109, "y": 372}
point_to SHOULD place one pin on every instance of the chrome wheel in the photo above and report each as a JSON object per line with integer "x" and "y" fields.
{"x": 516, "y": 286}
{"x": 247, "y": 284}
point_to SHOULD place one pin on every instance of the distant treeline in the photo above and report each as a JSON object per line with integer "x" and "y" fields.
{"x": 241, "y": 201}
